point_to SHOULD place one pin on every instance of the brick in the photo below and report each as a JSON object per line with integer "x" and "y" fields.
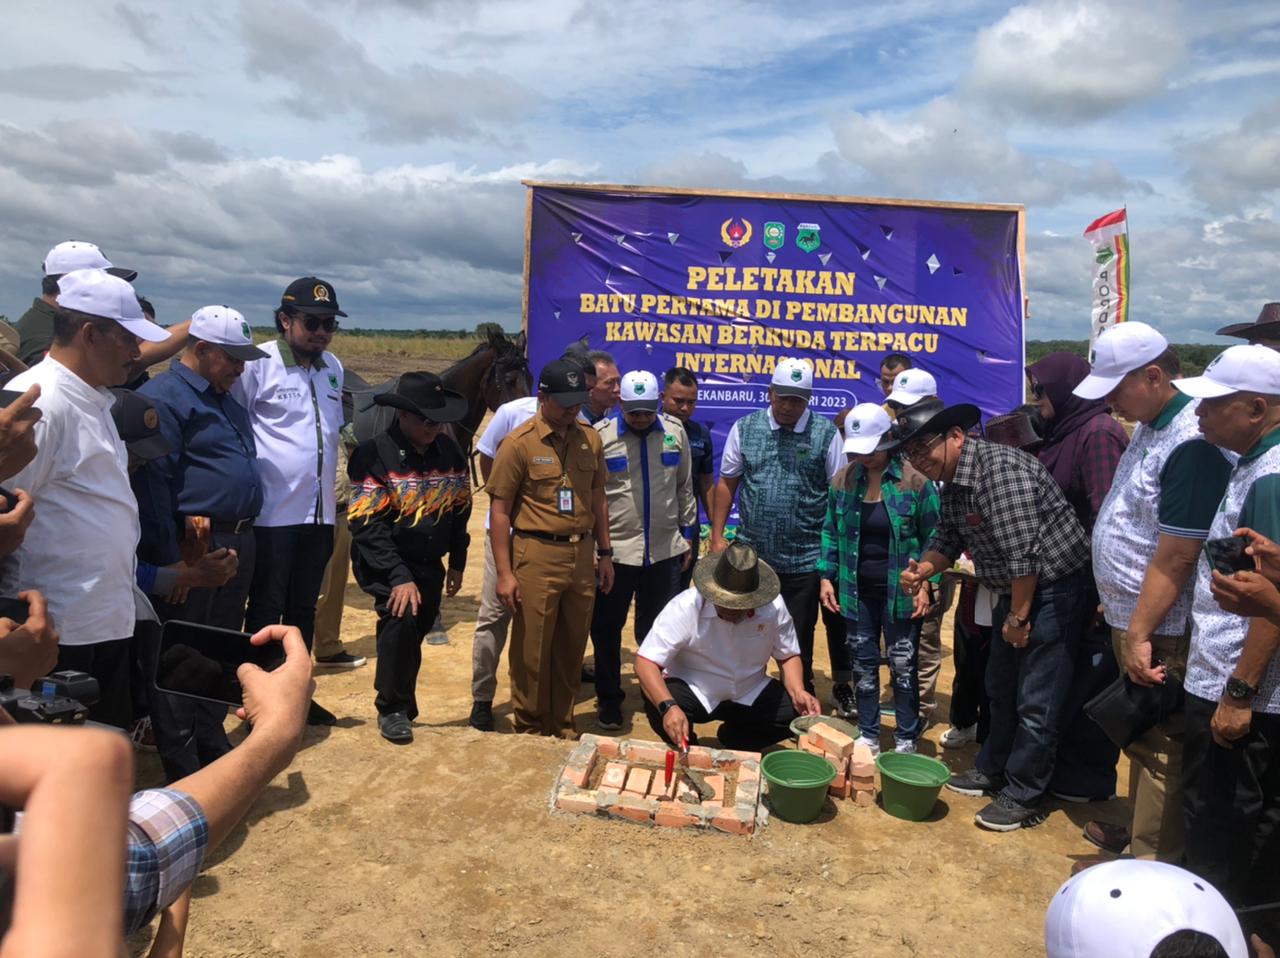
{"x": 717, "y": 783}
{"x": 674, "y": 815}
{"x": 728, "y": 757}
{"x": 576, "y": 775}
{"x": 608, "y": 747}
{"x": 660, "y": 790}
{"x": 615, "y": 777}
{"x": 700, "y": 757}
{"x": 686, "y": 795}
{"x": 833, "y": 740}
{"x": 863, "y": 782}
{"x": 841, "y": 779}
{"x": 645, "y": 753}
{"x": 635, "y": 809}
{"x": 576, "y": 802}
{"x": 749, "y": 772}
{"x": 728, "y": 820}
{"x": 583, "y": 754}
{"x": 748, "y": 793}
{"x": 638, "y": 780}
{"x": 844, "y": 790}
{"x": 864, "y": 798}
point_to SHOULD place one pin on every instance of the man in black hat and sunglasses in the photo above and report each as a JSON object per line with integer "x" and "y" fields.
{"x": 1002, "y": 507}
{"x": 294, "y": 399}
{"x": 410, "y": 502}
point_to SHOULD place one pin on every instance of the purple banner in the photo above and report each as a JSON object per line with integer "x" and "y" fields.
{"x": 726, "y": 286}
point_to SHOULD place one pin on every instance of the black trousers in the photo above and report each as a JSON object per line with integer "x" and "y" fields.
{"x": 111, "y": 663}
{"x": 653, "y": 587}
{"x": 287, "y": 575}
{"x": 400, "y": 638}
{"x": 748, "y": 727}
{"x": 189, "y": 733}
{"x": 1086, "y": 757}
{"x": 972, "y": 644}
{"x": 1232, "y": 800}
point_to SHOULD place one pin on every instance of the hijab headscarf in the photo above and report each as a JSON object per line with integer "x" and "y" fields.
{"x": 1059, "y": 373}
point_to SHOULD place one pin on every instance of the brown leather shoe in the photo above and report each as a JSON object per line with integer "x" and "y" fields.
{"x": 1110, "y": 838}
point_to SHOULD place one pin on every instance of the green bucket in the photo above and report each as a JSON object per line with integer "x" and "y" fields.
{"x": 803, "y": 723}
{"x": 909, "y": 784}
{"x": 798, "y": 784}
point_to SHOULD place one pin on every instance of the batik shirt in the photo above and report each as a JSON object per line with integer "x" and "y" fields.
{"x": 408, "y": 509}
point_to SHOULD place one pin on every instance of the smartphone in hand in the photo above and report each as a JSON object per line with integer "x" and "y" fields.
{"x": 200, "y": 661}
{"x": 1227, "y": 554}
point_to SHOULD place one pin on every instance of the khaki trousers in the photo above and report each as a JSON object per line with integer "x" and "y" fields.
{"x": 1155, "y": 766}
{"x": 492, "y": 622}
{"x": 929, "y": 656}
{"x": 549, "y": 635}
{"x": 333, "y": 590}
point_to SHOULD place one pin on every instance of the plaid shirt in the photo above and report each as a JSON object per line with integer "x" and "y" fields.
{"x": 912, "y": 504}
{"x": 168, "y": 834}
{"x": 1006, "y": 511}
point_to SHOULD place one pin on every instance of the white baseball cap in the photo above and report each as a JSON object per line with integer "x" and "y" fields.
{"x": 227, "y": 329}
{"x": 1118, "y": 352}
{"x": 639, "y": 391}
{"x": 1239, "y": 369}
{"x": 864, "y": 427}
{"x": 100, "y": 294}
{"x": 912, "y": 385}
{"x": 73, "y": 255}
{"x": 793, "y": 377}
{"x": 1124, "y": 908}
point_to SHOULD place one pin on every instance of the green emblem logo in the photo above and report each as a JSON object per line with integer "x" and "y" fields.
{"x": 639, "y": 389}
{"x": 668, "y": 440}
{"x": 797, "y": 375}
{"x": 333, "y": 380}
{"x": 775, "y": 234}
{"x": 1104, "y": 256}
{"x": 856, "y": 426}
{"x": 808, "y": 236}
{"x": 244, "y": 328}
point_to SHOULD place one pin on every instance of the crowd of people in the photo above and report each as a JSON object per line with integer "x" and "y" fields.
{"x": 230, "y": 491}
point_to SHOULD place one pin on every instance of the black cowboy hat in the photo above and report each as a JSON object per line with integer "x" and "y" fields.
{"x": 424, "y": 394}
{"x": 1266, "y": 326}
{"x": 930, "y": 417}
{"x": 736, "y": 578}
{"x": 1023, "y": 428}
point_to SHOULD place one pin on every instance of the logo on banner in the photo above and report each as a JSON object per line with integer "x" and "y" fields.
{"x": 735, "y": 233}
{"x": 775, "y": 234}
{"x": 1104, "y": 256}
{"x": 808, "y": 236}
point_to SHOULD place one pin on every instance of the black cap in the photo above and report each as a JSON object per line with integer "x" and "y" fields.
{"x": 139, "y": 425}
{"x": 424, "y": 394}
{"x": 311, "y": 295}
{"x": 564, "y": 381}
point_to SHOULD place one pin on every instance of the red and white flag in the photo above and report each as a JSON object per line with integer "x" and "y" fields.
{"x": 1110, "y": 238}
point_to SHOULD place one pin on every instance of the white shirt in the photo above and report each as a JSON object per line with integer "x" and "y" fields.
{"x": 731, "y": 464}
{"x": 295, "y": 459}
{"x": 721, "y": 661}
{"x": 80, "y": 549}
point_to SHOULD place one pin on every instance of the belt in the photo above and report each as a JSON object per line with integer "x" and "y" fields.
{"x": 235, "y": 526}
{"x": 550, "y": 536}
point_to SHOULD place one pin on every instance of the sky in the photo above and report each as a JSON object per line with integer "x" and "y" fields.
{"x": 223, "y": 149}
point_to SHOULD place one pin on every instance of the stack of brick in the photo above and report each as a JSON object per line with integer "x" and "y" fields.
{"x": 855, "y": 769}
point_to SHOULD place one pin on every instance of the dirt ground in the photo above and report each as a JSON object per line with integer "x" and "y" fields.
{"x": 446, "y": 847}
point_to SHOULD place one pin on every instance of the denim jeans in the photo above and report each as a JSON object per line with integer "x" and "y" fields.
{"x": 1028, "y": 687}
{"x": 902, "y": 639}
{"x": 652, "y": 587}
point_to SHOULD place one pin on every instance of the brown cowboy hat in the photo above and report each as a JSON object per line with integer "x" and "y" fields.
{"x": 736, "y": 578}
{"x": 1266, "y": 326}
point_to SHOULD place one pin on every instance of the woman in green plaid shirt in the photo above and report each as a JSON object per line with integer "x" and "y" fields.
{"x": 880, "y": 515}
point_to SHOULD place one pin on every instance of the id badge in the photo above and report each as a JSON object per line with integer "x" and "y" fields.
{"x": 564, "y": 501}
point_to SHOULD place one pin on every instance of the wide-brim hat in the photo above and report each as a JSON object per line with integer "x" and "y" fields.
{"x": 1266, "y": 326}
{"x": 930, "y": 417}
{"x": 424, "y": 394}
{"x": 1016, "y": 429}
{"x": 736, "y": 578}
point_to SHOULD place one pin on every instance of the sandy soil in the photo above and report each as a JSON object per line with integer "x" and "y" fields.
{"x": 446, "y": 847}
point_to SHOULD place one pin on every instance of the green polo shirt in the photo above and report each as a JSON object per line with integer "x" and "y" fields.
{"x": 36, "y": 329}
{"x": 1193, "y": 481}
{"x": 1261, "y": 509}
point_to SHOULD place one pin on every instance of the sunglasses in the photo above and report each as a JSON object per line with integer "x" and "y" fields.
{"x": 920, "y": 448}
{"x": 312, "y": 323}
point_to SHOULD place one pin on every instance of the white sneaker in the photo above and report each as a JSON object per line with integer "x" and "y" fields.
{"x": 905, "y": 748}
{"x": 959, "y": 737}
{"x": 874, "y": 746}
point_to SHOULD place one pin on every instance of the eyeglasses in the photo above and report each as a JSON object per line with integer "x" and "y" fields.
{"x": 920, "y": 448}
{"x": 329, "y": 323}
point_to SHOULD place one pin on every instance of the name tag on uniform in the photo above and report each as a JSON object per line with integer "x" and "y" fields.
{"x": 543, "y": 461}
{"x": 564, "y": 501}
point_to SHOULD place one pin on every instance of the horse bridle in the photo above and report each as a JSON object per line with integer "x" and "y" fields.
{"x": 502, "y": 364}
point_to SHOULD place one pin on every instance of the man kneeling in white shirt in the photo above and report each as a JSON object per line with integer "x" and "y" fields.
{"x": 707, "y": 655}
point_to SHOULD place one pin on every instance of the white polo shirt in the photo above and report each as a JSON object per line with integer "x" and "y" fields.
{"x": 731, "y": 463}
{"x": 296, "y": 415}
{"x": 721, "y": 661}
{"x": 80, "y": 548}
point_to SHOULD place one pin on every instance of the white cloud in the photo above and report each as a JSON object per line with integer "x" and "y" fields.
{"x": 1075, "y": 60}
{"x": 1237, "y": 169}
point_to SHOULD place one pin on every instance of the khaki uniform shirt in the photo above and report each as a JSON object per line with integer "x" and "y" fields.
{"x": 533, "y": 465}
{"x": 649, "y": 487}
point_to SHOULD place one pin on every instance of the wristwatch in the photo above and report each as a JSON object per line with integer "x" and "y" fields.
{"x": 604, "y": 553}
{"x": 667, "y": 706}
{"x": 1238, "y": 690}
